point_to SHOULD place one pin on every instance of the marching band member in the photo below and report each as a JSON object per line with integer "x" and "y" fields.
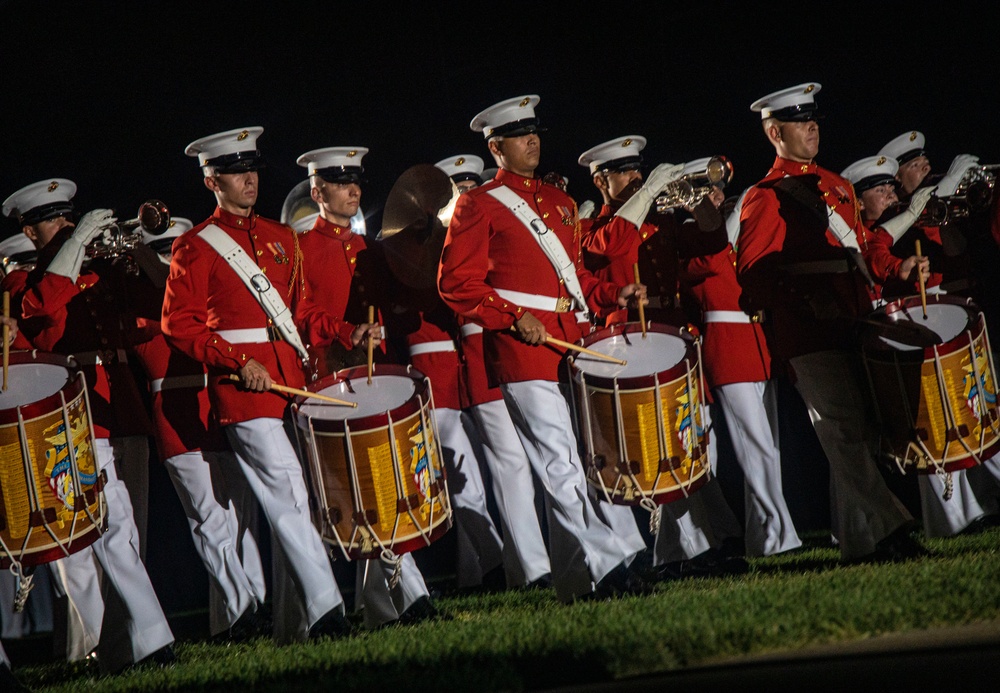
{"x": 522, "y": 289}
{"x": 526, "y": 555}
{"x": 691, "y": 531}
{"x": 799, "y": 260}
{"x": 348, "y": 273}
{"x": 220, "y": 508}
{"x": 235, "y": 301}
{"x": 91, "y": 314}
{"x": 737, "y": 367}
{"x": 963, "y": 498}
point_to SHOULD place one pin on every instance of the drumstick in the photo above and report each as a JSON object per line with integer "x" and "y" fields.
{"x": 371, "y": 344}
{"x": 923, "y": 291}
{"x": 583, "y": 350}
{"x": 6, "y": 336}
{"x": 302, "y": 393}
{"x": 642, "y": 312}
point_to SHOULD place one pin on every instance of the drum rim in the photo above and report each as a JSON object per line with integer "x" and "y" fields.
{"x": 977, "y": 327}
{"x": 71, "y": 389}
{"x": 635, "y": 381}
{"x": 422, "y": 392}
{"x": 53, "y": 553}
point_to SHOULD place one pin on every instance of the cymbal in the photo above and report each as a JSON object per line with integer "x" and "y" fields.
{"x": 414, "y": 223}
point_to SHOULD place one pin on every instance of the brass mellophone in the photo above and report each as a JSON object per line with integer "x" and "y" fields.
{"x": 690, "y": 189}
{"x": 154, "y": 219}
{"x": 973, "y": 194}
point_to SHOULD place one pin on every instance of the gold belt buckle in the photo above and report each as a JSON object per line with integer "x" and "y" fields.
{"x": 563, "y": 304}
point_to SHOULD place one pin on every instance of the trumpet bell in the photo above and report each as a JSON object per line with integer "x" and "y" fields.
{"x": 154, "y": 217}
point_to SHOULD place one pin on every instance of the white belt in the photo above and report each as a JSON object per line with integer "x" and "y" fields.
{"x": 253, "y": 335}
{"x": 539, "y": 302}
{"x": 725, "y": 316}
{"x": 432, "y": 347}
{"x": 94, "y": 358}
{"x": 176, "y": 382}
{"x": 470, "y": 328}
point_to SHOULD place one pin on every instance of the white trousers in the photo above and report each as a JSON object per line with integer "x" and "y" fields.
{"x": 583, "y": 548}
{"x": 975, "y": 493}
{"x": 514, "y": 491}
{"x": 691, "y": 525}
{"x": 267, "y": 456}
{"x": 116, "y": 605}
{"x": 376, "y": 600}
{"x": 751, "y": 418}
{"x": 221, "y": 510}
{"x": 480, "y": 548}
{"x": 863, "y": 509}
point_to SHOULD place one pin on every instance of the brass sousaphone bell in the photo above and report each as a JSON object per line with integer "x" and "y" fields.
{"x": 414, "y": 223}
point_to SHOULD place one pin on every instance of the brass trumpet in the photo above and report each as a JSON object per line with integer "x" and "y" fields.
{"x": 937, "y": 212}
{"x": 153, "y": 218}
{"x": 976, "y": 186}
{"x": 691, "y": 188}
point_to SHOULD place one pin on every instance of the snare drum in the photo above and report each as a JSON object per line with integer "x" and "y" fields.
{"x": 641, "y": 423}
{"x": 936, "y": 404}
{"x": 375, "y": 471}
{"x": 51, "y": 497}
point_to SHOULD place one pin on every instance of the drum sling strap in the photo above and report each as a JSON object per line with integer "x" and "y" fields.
{"x": 840, "y": 228}
{"x": 548, "y": 242}
{"x": 258, "y": 285}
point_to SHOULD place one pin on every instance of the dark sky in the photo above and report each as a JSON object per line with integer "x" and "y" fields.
{"x": 109, "y": 93}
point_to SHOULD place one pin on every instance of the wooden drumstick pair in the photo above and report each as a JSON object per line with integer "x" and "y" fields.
{"x": 583, "y": 350}
{"x": 302, "y": 393}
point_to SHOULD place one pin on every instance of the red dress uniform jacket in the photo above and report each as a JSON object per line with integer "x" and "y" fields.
{"x": 437, "y": 330}
{"x": 347, "y": 274}
{"x": 204, "y": 295}
{"x": 658, "y": 247}
{"x": 882, "y": 264}
{"x": 732, "y": 352}
{"x": 488, "y": 248}
{"x": 95, "y": 316}
{"x": 477, "y": 382}
{"x": 808, "y": 310}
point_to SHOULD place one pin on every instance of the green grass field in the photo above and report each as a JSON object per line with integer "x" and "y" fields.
{"x": 521, "y": 640}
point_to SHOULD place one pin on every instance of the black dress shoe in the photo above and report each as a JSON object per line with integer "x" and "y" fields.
{"x": 621, "y": 582}
{"x": 249, "y": 625}
{"x": 333, "y": 625}
{"x": 421, "y": 610}
{"x": 540, "y": 583}
{"x": 9, "y": 682}
{"x": 494, "y": 581}
{"x": 163, "y": 657}
{"x": 710, "y": 563}
{"x": 898, "y": 547}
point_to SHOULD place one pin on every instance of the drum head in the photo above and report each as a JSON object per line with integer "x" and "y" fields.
{"x": 386, "y": 393}
{"x": 945, "y": 320}
{"x": 30, "y": 382}
{"x": 657, "y": 352}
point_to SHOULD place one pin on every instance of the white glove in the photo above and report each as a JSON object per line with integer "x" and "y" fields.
{"x": 956, "y": 172}
{"x": 901, "y": 223}
{"x": 585, "y": 209}
{"x": 69, "y": 259}
{"x": 637, "y": 206}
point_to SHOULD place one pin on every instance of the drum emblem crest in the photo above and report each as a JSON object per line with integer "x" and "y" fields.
{"x": 421, "y": 467}
{"x": 976, "y": 393}
{"x": 58, "y": 465}
{"x": 689, "y": 428}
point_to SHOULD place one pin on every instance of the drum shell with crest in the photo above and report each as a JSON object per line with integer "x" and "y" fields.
{"x": 641, "y": 425}
{"x": 376, "y": 472}
{"x": 935, "y": 395}
{"x": 51, "y": 494}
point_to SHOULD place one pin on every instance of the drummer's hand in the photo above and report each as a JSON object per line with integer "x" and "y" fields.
{"x": 254, "y": 377}
{"x": 11, "y": 323}
{"x": 631, "y": 294}
{"x": 907, "y": 267}
{"x": 530, "y": 329}
{"x": 365, "y": 332}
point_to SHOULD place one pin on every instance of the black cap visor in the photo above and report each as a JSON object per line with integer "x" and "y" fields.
{"x": 46, "y": 212}
{"x": 869, "y": 182}
{"x": 797, "y": 114}
{"x": 237, "y": 162}
{"x": 518, "y": 128}
{"x": 341, "y": 174}
{"x": 622, "y": 165}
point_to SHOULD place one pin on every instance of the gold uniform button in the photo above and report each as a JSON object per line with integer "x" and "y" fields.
{"x": 230, "y": 348}
{"x": 259, "y": 253}
{"x": 348, "y": 246}
{"x": 243, "y": 357}
{"x": 545, "y": 215}
{"x": 353, "y": 260}
{"x": 645, "y": 236}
